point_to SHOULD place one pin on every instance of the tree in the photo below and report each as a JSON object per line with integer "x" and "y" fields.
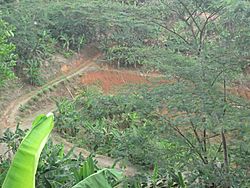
{"x": 203, "y": 31}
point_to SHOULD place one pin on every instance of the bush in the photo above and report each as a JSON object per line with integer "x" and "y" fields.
{"x": 7, "y": 57}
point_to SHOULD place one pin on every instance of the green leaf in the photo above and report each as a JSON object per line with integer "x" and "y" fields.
{"x": 181, "y": 180}
{"x": 24, "y": 165}
{"x": 98, "y": 179}
{"x": 155, "y": 174}
{"x": 88, "y": 168}
{"x": 38, "y": 120}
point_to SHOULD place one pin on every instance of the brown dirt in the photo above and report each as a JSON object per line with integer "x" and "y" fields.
{"x": 108, "y": 79}
{"x": 241, "y": 91}
{"x": 8, "y": 116}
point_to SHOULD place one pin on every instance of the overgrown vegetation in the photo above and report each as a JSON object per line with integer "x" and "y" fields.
{"x": 190, "y": 131}
{"x": 7, "y": 57}
{"x": 55, "y": 168}
{"x": 148, "y": 127}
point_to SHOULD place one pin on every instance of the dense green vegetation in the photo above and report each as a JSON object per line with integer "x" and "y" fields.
{"x": 190, "y": 132}
{"x": 27, "y": 159}
{"x": 7, "y": 57}
{"x": 23, "y": 168}
{"x": 133, "y": 126}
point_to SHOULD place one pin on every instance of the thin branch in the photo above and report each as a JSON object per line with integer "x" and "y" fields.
{"x": 213, "y": 136}
{"x": 218, "y": 134}
{"x": 224, "y": 92}
{"x": 171, "y": 31}
{"x": 218, "y": 75}
{"x": 196, "y": 134}
{"x": 190, "y": 14}
{"x": 219, "y": 150}
{"x": 208, "y": 18}
{"x": 189, "y": 142}
{"x": 194, "y": 129}
{"x": 69, "y": 92}
{"x": 204, "y": 140}
{"x": 224, "y": 143}
{"x": 190, "y": 26}
{"x": 181, "y": 16}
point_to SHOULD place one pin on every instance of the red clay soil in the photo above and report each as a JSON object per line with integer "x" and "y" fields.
{"x": 107, "y": 79}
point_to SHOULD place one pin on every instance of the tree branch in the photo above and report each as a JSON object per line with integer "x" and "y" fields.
{"x": 224, "y": 143}
{"x": 196, "y": 134}
{"x": 188, "y": 142}
{"x": 218, "y": 75}
{"x": 171, "y": 31}
{"x": 190, "y": 14}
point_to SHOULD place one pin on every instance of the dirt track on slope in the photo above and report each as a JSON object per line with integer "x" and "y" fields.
{"x": 8, "y": 118}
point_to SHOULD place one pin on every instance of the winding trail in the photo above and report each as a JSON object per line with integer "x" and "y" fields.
{"x": 8, "y": 118}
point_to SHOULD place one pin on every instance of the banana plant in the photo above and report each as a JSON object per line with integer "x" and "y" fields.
{"x": 88, "y": 177}
{"x": 24, "y": 165}
{"x": 23, "y": 169}
{"x": 99, "y": 179}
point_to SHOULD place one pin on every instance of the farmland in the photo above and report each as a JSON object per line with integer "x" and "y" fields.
{"x": 143, "y": 93}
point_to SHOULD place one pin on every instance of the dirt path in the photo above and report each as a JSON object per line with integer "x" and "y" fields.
{"x": 103, "y": 161}
{"x": 8, "y": 118}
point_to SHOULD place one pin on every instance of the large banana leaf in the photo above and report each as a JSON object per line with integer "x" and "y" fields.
{"x": 24, "y": 165}
{"x": 99, "y": 179}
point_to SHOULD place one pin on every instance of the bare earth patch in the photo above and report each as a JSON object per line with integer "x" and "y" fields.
{"x": 241, "y": 91}
{"x": 108, "y": 79}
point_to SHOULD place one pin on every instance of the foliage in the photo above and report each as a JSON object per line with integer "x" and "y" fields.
{"x": 55, "y": 168}
{"x": 98, "y": 179}
{"x": 23, "y": 168}
{"x": 13, "y": 139}
{"x": 7, "y": 1}
{"x": 131, "y": 2}
{"x": 40, "y": 28}
{"x": 117, "y": 125}
{"x": 201, "y": 32}
{"x": 128, "y": 122}
{"x": 7, "y": 57}
{"x": 120, "y": 37}
{"x": 32, "y": 71}
{"x": 193, "y": 125}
